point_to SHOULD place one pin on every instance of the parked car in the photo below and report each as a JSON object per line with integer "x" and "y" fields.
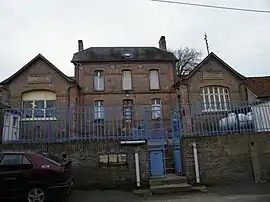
{"x": 34, "y": 177}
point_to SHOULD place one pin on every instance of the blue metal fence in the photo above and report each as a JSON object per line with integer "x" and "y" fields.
{"x": 131, "y": 122}
{"x": 198, "y": 119}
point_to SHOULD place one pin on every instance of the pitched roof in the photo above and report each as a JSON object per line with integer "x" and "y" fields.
{"x": 39, "y": 56}
{"x": 260, "y": 86}
{"x": 110, "y": 54}
{"x": 213, "y": 55}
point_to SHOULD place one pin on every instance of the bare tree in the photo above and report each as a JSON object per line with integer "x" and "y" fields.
{"x": 188, "y": 60}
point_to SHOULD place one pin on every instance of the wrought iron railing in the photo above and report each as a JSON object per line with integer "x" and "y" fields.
{"x": 132, "y": 122}
{"x": 199, "y": 119}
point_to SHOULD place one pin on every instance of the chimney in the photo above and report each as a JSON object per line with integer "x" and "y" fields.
{"x": 80, "y": 45}
{"x": 162, "y": 43}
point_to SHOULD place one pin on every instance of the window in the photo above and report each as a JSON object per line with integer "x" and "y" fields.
{"x": 156, "y": 109}
{"x": 15, "y": 160}
{"x": 126, "y": 80}
{"x": 215, "y": 98}
{"x": 99, "y": 109}
{"x": 127, "y": 110}
{"x": 98, "y": 80}
{"x": 154, "y": 80}
{"x": 39, "y": 104}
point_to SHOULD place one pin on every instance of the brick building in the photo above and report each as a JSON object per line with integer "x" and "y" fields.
{"x": 118, "y": 84}
{"x": 111, "y": 77}
{"x": 212, "y": 90}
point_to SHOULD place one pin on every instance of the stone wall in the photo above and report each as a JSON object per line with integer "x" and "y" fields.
{"x": 226, "y": 159}
{"x": 89, "y": 172}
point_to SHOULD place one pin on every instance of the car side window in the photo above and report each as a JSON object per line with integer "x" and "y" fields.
{"x": 13, "y": 159}
{"x": 25, "y": 161}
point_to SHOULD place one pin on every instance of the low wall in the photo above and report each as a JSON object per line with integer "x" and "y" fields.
{"x": 226, "y": 159}
{"x": 97, "y": 164}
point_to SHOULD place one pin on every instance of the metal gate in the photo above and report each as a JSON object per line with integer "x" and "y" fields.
{"x": 176, "y": 140}
{"x": 157, "y": 165}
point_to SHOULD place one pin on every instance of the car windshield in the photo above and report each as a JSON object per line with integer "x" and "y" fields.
{"x": 52, "y": 157}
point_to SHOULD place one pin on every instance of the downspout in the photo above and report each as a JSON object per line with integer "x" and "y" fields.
{"x": 137, "y": 168}
{"x": 68, "y": 115}
{"x": 197, "y": 171}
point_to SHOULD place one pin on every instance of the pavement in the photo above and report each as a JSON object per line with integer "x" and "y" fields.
{"x": 236, "y": 193}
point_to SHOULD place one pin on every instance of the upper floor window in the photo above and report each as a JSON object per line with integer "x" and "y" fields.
{"x": 215, "y": 98}
{"x": 156, "y": 108}
{"x": 154, "y": 80}
{"x": 39, "y": 104}
{"x": 126, "y": 80}
{"x": 98, "y": 80}
{"x": 98, "y": 109}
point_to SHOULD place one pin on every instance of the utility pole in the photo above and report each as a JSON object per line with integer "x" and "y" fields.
{"x": 206, "y": 43}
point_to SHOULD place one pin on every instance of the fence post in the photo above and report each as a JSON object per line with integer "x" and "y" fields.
{"x": 2, "y": 114}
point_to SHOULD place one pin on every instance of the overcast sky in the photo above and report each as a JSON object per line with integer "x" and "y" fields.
{"x": 53, "y": 27}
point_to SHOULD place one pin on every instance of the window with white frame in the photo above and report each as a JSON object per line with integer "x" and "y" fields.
{"x": 215, "y": 98}
{"x": 154, "y": 80}
{"x": 156, "y": 108}
{"x": 98, "y": 80}
{"x": 99, "y": 109}
{"x": 39, "y": 104}
{"x": 127, "y": 110}
{"x": 126, "y": 80}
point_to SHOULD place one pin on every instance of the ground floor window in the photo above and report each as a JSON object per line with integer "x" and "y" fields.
{"x": 39, "y": 104}
{"x": 99, "y": 109}
{"x": 215, "y": 98}
{"x": 156, "y": 108}
{"x": 127, "y": 110}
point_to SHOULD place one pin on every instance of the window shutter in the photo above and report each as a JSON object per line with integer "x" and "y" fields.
{"x": 154, "y": 80}
{"x": 126, "y": 80}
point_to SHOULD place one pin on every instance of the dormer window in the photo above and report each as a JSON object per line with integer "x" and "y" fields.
{"x": 127, "y": 55}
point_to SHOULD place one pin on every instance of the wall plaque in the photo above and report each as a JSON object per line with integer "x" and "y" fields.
{"x": 112, "y": 158}
{"x": 103, "y": 158}
{"x": 34, "y": 79}
{"x": 212, "y": 75}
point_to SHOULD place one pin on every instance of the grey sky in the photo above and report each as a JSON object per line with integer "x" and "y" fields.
{"x": 52, "y": 28}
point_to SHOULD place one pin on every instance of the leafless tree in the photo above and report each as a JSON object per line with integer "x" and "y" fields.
{"x": 188, "y": 60}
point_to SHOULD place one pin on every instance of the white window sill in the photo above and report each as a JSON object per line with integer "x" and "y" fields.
{"x": 40, "y": 119}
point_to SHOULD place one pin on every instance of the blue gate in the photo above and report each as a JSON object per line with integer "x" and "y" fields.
{"x": 176, "y": 140}
{"x": 157, "y": 162}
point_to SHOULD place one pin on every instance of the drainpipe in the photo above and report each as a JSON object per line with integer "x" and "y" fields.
{"x": 197, "y": 171}
{"x": 137, "y": 167}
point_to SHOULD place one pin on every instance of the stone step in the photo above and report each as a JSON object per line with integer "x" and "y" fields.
{"x": 169, "y": 179}
{"x": 171, "y": 188}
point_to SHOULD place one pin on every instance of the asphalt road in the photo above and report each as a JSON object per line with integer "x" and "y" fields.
{"x": 252, "y": 193}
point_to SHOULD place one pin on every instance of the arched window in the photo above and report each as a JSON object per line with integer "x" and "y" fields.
{"x": 215, "y": 98}
{"x": 39, "y": 104}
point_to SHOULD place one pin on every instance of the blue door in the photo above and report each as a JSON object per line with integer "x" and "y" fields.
{"x": 156, "y": 164}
